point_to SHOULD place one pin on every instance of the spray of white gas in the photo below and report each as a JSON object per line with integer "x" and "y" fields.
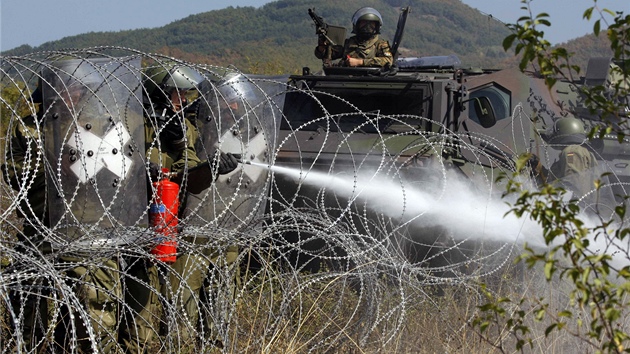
{"x": 603, "y": 238}
{"x": 466, "y": 211}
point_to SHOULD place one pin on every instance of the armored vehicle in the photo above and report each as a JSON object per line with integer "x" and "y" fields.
{"x": 367, "y": 145}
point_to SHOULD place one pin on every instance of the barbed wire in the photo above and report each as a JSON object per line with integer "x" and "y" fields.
{"x": 325, "y": 237}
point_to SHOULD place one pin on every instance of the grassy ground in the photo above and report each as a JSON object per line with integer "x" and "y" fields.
{"x": 332, "y": 312}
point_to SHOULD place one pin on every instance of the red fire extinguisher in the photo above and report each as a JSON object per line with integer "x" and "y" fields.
{"x": 163, "y": 217}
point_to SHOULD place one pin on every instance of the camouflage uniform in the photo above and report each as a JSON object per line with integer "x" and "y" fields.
{"x": 191, "y": 279}
{"x": 19, "y": 171}
{"x": 200, "y": 272}
{"x": 97, "y": 284}
{"x": 375, "y": 52}
{"x": 165, "y": 85}
{"x": 24, "y": 168}
{"x": 97, "y": 287}
{"x": 142, "y": 284}
{"x": 168, "y": 157}
{"x": 574, "y": 169}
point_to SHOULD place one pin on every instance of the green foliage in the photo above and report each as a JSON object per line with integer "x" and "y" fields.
{"x": 13, "y": 103}
{"x": 599, "y": 287}
{"x": 282, "y": 33}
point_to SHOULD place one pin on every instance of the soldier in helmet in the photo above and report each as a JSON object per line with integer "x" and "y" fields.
{"x": 171, "y": 137}
{"x": 575, "y": 165}
{"x": 204, "y": 279}
{"x": 365, "y": 48}
{"x": 65, "y": 93}
{"x": 171, "y": 91}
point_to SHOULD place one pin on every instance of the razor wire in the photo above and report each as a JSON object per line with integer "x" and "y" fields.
{"x": 326, "y": 235}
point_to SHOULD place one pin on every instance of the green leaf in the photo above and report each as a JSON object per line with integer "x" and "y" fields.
{"x": 612, "y": 314}
{"x": 549, "y": 270}
{"x": 565, "y": 313}
{"x": 550, "y": 329}
{"x": 508, "y": 41}
{"x": 596, "y": 28}
{"x": 588, "y": 13}
{"x": 624, "y": 272}
{"x": 540, "y": 314}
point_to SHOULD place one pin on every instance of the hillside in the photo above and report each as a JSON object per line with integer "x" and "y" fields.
{"x": 279, "y": 37}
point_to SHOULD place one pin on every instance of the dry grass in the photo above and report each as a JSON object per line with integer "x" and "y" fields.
{"x": 336, "y": 313}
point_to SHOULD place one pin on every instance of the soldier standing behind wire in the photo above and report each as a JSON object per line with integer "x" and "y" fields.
{"x": 365, "y": 48}
{"x": 93, "y": 277}
{"x": 171, "y": 138}
{"x": 24, "y": 169}
{"x": 575, "y": 167}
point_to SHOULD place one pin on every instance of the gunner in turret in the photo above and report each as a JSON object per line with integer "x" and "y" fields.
{"x": 365, "y": 48}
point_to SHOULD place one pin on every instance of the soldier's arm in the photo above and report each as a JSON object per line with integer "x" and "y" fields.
{"x": 336, "y": 52}
{"x": 24, "y": 160}
{"x": 383, "y": 56}
{"x": 188, "y": 156}
{"x": 197, "y": 175}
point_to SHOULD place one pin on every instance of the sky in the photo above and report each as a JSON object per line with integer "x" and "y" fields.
{"x": 35, "y": 22}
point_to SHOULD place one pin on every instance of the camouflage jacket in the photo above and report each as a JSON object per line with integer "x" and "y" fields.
{"x": 575, "y": 170}
{"x": 167, "y": 157}
{"x": 23, "y": 168}
{"x": 375, "y": 52}
{"x": 573, "y": 159}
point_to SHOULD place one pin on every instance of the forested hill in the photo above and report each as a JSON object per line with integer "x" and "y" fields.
{"x": 279, "y": 37}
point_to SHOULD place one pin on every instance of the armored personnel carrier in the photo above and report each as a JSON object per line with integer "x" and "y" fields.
{"x": 420, "y": 125}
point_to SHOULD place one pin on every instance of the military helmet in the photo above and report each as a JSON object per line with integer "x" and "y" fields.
{"x": 160, "y": 80}
{"x": 367, "y": 14}
{"x": 568, "y": 131}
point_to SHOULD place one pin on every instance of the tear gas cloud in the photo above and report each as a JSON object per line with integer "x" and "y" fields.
{"x": 454, "y": 204}
{"x": 468, "y": 212}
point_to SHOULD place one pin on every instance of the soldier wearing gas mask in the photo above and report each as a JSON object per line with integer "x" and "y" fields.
{"x": 170, "y": 136}
{"x": 173, "y": 94}
{"x": 365, "y": 48}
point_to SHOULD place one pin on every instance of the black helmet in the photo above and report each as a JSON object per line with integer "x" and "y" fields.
{"x": 367, "y": 14}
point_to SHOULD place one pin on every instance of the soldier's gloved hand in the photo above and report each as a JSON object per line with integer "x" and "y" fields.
{"x": 173, "y": 135}
{"x": 154, "y": 171}
{"x": 321, "y": 41}
{"x": 534, "y": 163}
{"x": 228, "y": 162}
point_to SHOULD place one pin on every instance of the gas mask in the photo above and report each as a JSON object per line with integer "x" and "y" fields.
{"x": 367, "y": 29}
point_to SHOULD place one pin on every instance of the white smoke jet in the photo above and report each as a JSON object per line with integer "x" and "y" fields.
{"x": 464, "y": 211}
{"x": 604, "y": 241}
